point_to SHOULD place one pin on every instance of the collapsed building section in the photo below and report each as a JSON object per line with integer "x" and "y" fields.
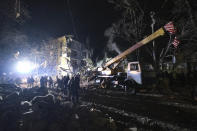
{"x": 64, "y": 56}
{"x": 71, "y": 55}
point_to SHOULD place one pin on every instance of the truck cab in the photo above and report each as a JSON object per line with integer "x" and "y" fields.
{"x": 134, "y": 72}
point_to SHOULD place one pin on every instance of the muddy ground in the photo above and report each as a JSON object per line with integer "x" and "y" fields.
{"x": 98, "y": 110}
{"x": 144, "y": 111}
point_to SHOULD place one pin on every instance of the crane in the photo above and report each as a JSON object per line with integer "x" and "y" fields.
{"x": 151, "y": 37}
{"x": 133, "y": 71}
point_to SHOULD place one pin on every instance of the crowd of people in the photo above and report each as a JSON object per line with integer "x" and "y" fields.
{"x": 68, "y": 85}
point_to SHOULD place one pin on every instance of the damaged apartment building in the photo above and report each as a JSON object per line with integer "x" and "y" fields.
{"x": 67, "y": 56}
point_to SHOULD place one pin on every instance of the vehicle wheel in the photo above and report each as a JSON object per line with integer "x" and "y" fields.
{"x": 133, "y": 91}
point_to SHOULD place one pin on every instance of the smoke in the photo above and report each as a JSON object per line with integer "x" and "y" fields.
{"x": 114, "y": 47}
{"x": 111, "y": 45}
{"x": 99, "y": 63}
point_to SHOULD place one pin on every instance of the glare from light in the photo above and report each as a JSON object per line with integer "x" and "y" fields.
{"x": 25, "y": 66}
{"x": 106, "y": 72}
{"x": 100, "y": 69}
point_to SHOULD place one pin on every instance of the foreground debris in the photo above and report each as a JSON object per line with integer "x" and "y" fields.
{"x": 39, "y": 109}
{"x": 36, "y": 109}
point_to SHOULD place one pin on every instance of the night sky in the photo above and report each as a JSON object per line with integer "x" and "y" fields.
{"x": 91, "y": 18}
{"x": 52, "y": 19}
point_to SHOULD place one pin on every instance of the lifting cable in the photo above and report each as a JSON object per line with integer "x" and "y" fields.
{"x": 71, "y": 16}
{"x": 17, "y": 8}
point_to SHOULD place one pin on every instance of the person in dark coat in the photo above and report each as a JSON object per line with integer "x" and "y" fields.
{"x": 42, "y": 82}
{"x": 66, "y": 80}
{"x": 50, "y": 82}
{"x": 31, "y": 81}
{"x": 45, "y": 81}
{"x": 70, "y": 85}
{"x": 58, "y": 81}
{"x": 62, "y": 84}
{"x": 75, "y": 88}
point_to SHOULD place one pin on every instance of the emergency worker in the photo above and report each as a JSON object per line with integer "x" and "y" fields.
{"x": 76, "y": 88}
{"x": 66, "y": 80}
{"x": 50, "y": 82}
{"x": 42, "y": 82}
{"x": 31, "y": 81}
{"x": 70, "y": 84}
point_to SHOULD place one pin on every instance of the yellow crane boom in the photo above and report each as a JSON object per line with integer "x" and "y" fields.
{"x": 151, "y": 37}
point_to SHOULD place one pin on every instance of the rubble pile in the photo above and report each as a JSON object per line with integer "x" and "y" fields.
{"x": 37, "y": 110}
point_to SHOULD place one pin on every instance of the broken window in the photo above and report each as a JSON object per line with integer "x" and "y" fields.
{"x": 134, "y": 67}
{"x": 73, "y": 53}
{"x": 83, "y": 63}
{"x": 69, "y": 44}
{"x": 74, "y": 63}
{"x": 84, "y": 54}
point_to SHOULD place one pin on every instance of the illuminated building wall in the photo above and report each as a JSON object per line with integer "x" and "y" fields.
{"x": 70, "y": 55}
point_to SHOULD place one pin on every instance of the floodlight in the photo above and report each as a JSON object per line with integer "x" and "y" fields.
{"x": 24, "y": 66}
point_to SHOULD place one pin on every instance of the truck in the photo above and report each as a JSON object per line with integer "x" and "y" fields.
{"x": 132, "y": 75}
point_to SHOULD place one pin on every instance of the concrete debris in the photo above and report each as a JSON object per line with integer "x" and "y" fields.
{"x": 131, "y": 129}
{"x": 35, "y": 110}
{"x": 26, "y": 103}
{"x": 49, "y": 98}
{"x": 76, "y": 116}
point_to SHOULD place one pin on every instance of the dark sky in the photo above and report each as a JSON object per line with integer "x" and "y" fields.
{"x": 52, "y": 18}
{"x": 91, "y": 18}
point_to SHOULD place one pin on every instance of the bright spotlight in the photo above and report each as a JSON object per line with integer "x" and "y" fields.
{"x": 24, "y": 66}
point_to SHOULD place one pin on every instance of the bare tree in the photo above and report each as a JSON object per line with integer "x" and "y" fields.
{"x": 135, "y": 23}
{"x": 185, "y": 16}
